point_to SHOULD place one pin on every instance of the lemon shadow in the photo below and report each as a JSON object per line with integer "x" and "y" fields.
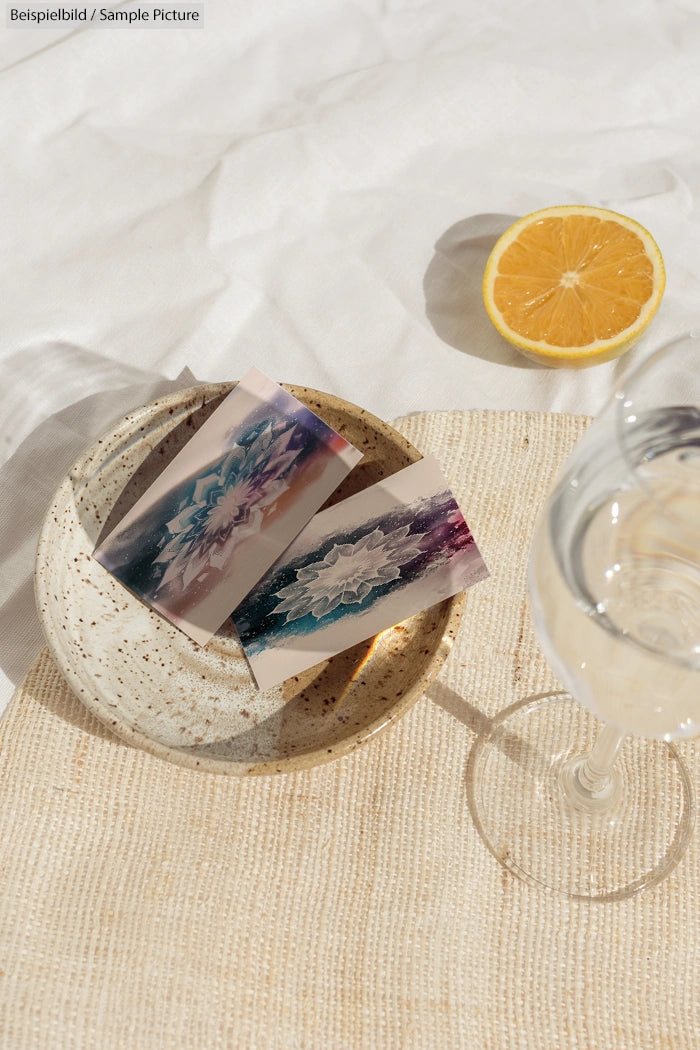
{"x": 452, "y": 283}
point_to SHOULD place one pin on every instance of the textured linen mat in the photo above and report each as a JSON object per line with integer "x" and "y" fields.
{"x": 144, "y": 905}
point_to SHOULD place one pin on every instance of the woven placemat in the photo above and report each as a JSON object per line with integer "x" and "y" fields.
{"x": 351, "y": 906}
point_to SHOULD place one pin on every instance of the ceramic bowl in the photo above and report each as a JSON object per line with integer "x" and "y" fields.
{"x": 199, "y": 707}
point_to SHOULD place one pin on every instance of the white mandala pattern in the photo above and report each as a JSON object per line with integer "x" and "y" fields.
{"x": 348, "y": 573}
{"x": 226, "y": 505}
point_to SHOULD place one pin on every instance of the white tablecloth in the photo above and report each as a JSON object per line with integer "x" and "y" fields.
{"x": 312, "y": 187}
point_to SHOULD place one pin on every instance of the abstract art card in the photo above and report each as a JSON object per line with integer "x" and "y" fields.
{"x": 227, "y": 505}
{"x": 356, "y": 569}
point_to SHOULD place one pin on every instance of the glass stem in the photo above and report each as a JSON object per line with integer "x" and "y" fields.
{"x": 595, "y": 771}
{"x": 590, "y": 782}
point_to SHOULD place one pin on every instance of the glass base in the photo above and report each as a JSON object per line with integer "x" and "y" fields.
{"x": 517, "y": 785}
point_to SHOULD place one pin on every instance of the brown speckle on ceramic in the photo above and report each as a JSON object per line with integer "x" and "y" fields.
{"x": 199, "y": 707}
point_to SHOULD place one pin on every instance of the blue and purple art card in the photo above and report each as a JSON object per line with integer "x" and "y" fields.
{"x": 226, "y": 507}
{"x": 356, "y": 569}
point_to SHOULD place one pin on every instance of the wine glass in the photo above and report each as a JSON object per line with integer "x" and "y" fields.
{"x": 590, "y": 797}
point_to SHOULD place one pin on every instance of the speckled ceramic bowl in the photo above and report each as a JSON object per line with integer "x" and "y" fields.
{"x": 199, "y": 707}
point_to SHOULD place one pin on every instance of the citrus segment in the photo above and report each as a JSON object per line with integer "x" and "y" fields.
{"x": 574, "y": 284}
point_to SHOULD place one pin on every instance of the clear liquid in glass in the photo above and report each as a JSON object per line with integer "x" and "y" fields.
{"x": 615, "y": 577}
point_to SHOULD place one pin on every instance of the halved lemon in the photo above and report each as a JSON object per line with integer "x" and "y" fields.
{"x": 573, "y": 285}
